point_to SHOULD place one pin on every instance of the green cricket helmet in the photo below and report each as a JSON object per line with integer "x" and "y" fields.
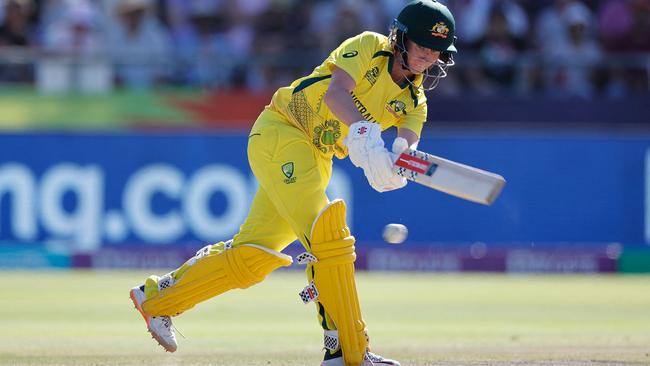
{"x": 429, "y": 24}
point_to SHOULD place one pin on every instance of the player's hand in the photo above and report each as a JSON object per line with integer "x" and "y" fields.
{"x": 399, "y": 146}
{"x": 366, "y": 150}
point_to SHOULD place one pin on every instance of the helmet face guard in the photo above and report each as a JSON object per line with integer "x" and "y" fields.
{"x": 430, "y": 77}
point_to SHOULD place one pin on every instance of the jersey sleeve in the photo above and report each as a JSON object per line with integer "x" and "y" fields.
{"x": 355, "y": 54}
{"x": 416, "y": 118}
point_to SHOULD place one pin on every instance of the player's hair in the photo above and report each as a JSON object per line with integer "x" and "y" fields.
{"x": 431, "y": 77}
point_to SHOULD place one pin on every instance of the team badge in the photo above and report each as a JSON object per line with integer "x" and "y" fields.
{"x": 395, "y": 107}
{"x": 326, "y": 134}
{"x": 287, "y": 170}
{"x": 440, "y": 30}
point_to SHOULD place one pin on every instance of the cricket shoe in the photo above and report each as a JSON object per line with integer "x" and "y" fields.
{"x": 160, "y": 327}
{"x": 369, "y": 359}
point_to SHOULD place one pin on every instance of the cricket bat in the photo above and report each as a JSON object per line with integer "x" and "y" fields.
{"x": 447, "y": 176}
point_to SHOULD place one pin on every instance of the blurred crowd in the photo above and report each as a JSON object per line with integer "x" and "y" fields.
{"x": 556, "y": 48}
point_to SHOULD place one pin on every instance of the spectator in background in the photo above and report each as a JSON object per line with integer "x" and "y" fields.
{"x": 78, "y": 31}
{"x": 139, "y": 45}
{"x": 624, "y": 28}
{"x": 569, "y": 65}
{"x": 75, "y": 59}
{"x": 477, "y": 16}
{"x": 51, "y": 11}
{"x": 331, "y": 22}
{"x": 240, "y": 36}
{"x": 499, "y": 51}
{"x": 347, "y": 21}
{"x": 262, "y": 44}
{"x": 494, "y": 32}
{"x": 550, "y": 27}
{"x": 201, "y": 44}
{"x": 276, "y": 47}
{"x": 624, "y": 25}
{"x": 16, "y": 31}
{"x": 214, "y": 39}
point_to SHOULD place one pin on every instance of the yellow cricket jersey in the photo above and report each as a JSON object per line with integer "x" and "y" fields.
{"x": 368, "y": 58}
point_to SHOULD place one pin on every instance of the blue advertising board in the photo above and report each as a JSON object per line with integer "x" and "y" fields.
{"x": 79, "y": 192}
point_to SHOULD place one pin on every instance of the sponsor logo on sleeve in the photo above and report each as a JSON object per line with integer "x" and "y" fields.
{"x": 372, "y": 75}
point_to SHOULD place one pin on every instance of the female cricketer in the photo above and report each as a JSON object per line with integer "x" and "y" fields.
{"x": 368, "y": 84}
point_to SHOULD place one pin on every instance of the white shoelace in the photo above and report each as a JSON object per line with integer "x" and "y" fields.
{"x": 369, "y": 357}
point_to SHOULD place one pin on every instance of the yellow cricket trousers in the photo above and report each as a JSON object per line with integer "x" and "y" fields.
{"x": 292, "y": 178}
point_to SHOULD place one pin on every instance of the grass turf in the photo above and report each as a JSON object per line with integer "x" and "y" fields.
{"x": 79, "y": 112}
{"x": 86, "y": 318}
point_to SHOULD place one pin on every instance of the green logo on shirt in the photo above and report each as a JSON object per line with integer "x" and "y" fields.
{"x": 287, "y": 170}
{"x": 396, "y": 106}
{"x": 350, "y": 54}
{"x": 326, "y": 134}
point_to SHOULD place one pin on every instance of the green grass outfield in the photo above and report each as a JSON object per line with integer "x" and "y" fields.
{"x": 86, "y": 318}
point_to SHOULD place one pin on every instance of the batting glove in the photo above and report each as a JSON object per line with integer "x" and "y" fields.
{"x": 366, "y": 151}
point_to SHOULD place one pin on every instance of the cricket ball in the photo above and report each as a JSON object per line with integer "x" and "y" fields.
{"x": 395, "y": 233}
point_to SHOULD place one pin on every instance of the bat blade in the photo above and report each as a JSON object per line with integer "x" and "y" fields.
{"x": 447, "y": 176}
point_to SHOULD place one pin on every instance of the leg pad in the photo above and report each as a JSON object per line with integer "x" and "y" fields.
{"x": 214, "y": 270}
{"x": 333, "y": 276}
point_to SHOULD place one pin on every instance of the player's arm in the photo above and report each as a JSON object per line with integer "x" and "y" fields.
{"x": 340, "y": 103}
{"x": 411, "y": 138}
{"x": 365, "y": 145}
{"x": 409, "y": 127}
{"x": 338, "y": 97}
